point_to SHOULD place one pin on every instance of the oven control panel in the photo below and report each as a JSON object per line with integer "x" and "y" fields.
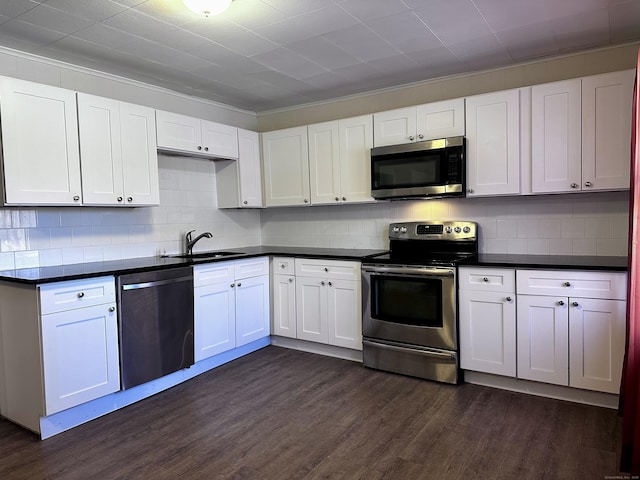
{"x": 433, "y": 230}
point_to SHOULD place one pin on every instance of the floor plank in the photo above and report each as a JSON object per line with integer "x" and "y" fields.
{"x": 284, "y": 414}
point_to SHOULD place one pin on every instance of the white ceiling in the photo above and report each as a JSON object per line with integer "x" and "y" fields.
{"x": 267, "y": 54}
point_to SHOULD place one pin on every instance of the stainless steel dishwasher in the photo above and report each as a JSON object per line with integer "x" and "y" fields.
{"x": 155, "y": 324}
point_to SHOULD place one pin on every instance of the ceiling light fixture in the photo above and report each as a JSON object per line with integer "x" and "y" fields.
{"x": 207, "y": 7}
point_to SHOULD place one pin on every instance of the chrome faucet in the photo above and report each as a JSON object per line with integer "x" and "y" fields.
{"x": 189, "y": 243}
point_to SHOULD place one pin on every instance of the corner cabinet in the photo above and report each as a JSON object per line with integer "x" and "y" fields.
{"x": 41, "y": 158}
{"x": 193, "y": 136}
{"x": 59, "y": 347}
{"x": 118, "y": 152}
{"x": 239, "y": 183}
{"x": 285, "y": 158}
{"x": 231, "y": 305}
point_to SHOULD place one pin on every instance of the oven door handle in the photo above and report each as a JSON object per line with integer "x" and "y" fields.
{"x": 427, "y": 272}
{"x": 420, "y": 351}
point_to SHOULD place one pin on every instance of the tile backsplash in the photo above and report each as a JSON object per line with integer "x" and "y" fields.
{"x": 32, "y": 237}
{"x": 572, "y": 224}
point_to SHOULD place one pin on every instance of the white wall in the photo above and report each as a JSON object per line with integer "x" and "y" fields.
{"x": 572, "y": 224}
{"x": 31, "y": 237}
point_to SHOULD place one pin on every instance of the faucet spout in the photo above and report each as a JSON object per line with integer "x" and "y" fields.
{"x": 189, "y": 243}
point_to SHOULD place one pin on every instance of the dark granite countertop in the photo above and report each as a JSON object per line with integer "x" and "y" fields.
{"x": 76, "y": 271}
{"x": 564, "y": 262}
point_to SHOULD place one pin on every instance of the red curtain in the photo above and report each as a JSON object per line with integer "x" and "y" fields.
{"x": 630, "y": 386}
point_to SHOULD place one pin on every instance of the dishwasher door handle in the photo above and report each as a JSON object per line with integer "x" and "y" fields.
{"x": 157, "y": 283}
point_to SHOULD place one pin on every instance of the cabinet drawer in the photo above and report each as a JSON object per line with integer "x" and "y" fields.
{"x": 329, "y": 269}
{"x": 251, "y": 267}
{"x": 570, "y": 283}
{"x": 283, "y": 266}
{"x": 62, "y": 296}
{"x": 210, "y": 273}
{"x": 487, "y": 279}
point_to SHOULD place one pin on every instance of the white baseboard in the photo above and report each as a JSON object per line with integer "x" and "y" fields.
{"x": 559, "y": 392}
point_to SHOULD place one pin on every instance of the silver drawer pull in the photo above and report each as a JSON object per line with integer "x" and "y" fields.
{"x": 561, "y": 303}
{"x": 567, "y": 284}
{"x": 112, "y": 309}
{"x": 508, "y": 299}
{"x": 485, "y": 279}
{"x": 80, "y": 294}
{"x": 575, "y": 304}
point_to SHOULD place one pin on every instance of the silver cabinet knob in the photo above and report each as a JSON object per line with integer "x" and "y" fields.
{"x": 120, "y": 199}
{"x": 411, "y": 137}
{"x": 566, "y": 284}
{"x": 290, "y": 280}
{"x": 574, "y": 185}
{"x": 80, "y": 294}
{"x": 508, "y": 299}
{"x": 330, "y": 284}
{"x": 206, "y": 149}
{"x": 326, "y": 269}
{"x": 470, "y": 190}
{"x": 337, "y": 199}
{"x": 322, "y": 283}
{"x": 233, "y": 285}
{"x": 239, "y": 284}
{"x": 112, "y": 309}
{"x": 129, "y": 199}
{"x": 199, "y": 147}
{"x": 575, "y": 304}
{"x": 420, "y": 136}
{"x": 282, "y": 265}
{"x": 306, "y": 201}
{"x": 561, "y": 303}
{"x": 588, "y": 184}
{"x": 344, "y": 199}
{"x": 485, "y": 279}
{"x": 245, "y": 202}
{"x": 76, "y": 198}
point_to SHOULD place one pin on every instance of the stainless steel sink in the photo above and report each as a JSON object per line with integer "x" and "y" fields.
{"x": 199, "y": 255}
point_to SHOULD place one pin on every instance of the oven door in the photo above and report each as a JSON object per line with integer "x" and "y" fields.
{"x": 410, "y": 305}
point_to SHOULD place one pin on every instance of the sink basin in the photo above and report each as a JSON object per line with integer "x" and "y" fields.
{"x": 217, "y": 254}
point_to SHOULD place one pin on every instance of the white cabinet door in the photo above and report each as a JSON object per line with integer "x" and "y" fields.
{"x": 556, "y": 137}
{"x": 543, "y": 339}
{"x": 344, "y": 314}
{"x": 324, "y": 163}
{"x": 311, "y": 309}
{"x": 249, "y": 168}
{"x": 100, "y": 150}
{"x": 284, "y": 306}
{"x": 285, "y": 157}
{"x": 440, "y": 119}
{"x": 487, "y": 332}
{"x": 493, "y": 143}
{"x": 596, "y": 343}
{"x": 139, "y": 155}
{"x": 41, "y": 156}
{"x": 219, "y": 140}
{"x": 252, "y": 309}
{"x": 177, "y": 132}
{"x": 394, "y": 127}
{"x": 356, "y": 141}
{"x": 80, "y": 356}
{"x": 606, "y": 130}
{"x": 214, "y": 319}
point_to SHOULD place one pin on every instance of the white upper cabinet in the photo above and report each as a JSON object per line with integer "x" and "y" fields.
{"x": 555, "y": 136}
{"x": 606, "y": 131}
{"x": 340, "y": 160}
{"x": 239, "y": 183}
{"x": 41, "y": 156}
{"x": 422, "y": 122}
{"x": 493, "y": 143}
{"x": 118, "y": 152}
{"x": 184, "y": 134}
{"x": 285, "y": 157}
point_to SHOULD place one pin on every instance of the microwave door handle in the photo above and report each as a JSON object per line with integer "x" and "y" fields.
{"x": 430, "y": 272}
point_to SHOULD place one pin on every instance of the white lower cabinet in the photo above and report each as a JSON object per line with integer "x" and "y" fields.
{"x": 231, "y": 305}
{"x": 317, "y": 301}
{"x": 59, "y": 347}
{"x": 571, "y": 328}
{"x": 487, "y": 320}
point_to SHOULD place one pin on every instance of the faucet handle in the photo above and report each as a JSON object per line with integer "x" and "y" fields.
{"x": 188, "y": 234}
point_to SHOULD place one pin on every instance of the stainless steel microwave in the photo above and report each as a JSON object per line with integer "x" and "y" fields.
{"x": 432, "y": 168}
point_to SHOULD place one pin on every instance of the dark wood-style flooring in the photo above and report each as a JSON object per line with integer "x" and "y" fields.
{"x": 284, "y": 414}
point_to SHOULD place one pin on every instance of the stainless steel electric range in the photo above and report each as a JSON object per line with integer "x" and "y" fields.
{"x": 410, "y": 322}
